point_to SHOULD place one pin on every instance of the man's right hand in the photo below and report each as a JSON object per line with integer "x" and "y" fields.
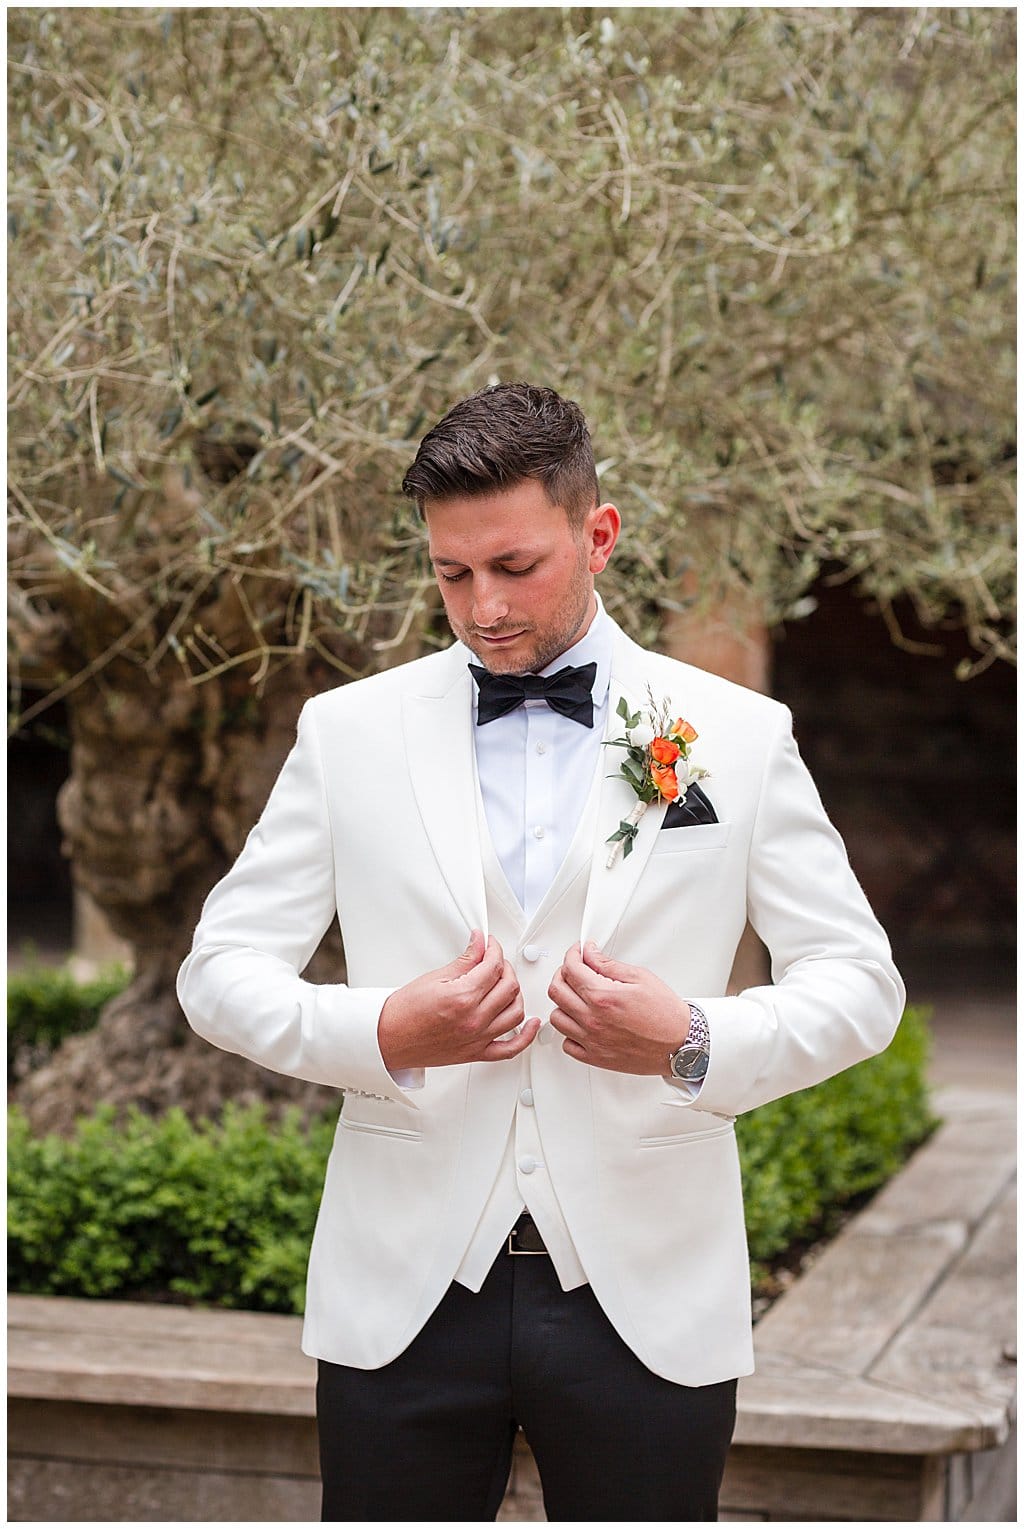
{"x": 460, "y": 1013}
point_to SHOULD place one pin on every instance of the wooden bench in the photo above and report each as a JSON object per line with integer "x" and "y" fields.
{"x": 884, "y": 1389}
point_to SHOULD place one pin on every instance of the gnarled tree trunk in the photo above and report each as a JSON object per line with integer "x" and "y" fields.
{"x": 166, "y": 779}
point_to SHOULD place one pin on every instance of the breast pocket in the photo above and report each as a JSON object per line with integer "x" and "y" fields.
{"x": 692, "y": 836}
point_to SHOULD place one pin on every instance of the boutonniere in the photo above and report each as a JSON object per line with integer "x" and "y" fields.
{"x": 657, "y": 765}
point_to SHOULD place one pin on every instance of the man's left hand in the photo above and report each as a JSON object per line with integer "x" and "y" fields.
{"x": 616, "y": 1016}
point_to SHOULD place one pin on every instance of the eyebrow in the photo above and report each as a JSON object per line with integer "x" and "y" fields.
{"x": 502, "y": 557}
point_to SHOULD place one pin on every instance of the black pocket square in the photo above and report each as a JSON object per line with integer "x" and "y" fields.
{"x": 695, "y": 809}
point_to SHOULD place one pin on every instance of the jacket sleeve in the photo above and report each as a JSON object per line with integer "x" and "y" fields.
{"x": 240, "y": 986}
{"x": 836, "y": 996}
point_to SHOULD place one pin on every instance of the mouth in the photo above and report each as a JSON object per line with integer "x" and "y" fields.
{"x": 499, "y": 641}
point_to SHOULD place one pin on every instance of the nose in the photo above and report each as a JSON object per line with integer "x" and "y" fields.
{"x": 489, "y": 606}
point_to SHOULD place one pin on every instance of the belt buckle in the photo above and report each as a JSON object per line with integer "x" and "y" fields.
{"x": 524, "y": 1252}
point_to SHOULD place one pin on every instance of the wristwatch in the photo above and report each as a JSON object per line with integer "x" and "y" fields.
{"x": 690, "y": 1062}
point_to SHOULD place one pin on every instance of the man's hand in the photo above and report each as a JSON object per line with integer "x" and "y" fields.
{"x": 616, "y": 1016}
{"x": 457, "y": 1014}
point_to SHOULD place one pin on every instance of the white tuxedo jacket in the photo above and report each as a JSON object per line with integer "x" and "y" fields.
{"x": 375, "y": 816}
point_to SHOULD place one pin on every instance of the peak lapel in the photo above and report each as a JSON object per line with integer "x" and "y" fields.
{"x": 611, "y": 887}
{"x": 439, "y": 752}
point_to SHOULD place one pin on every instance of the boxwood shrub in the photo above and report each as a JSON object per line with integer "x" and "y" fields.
{"x": 222, "y": 1213}
{"x": 45, "y": 1004}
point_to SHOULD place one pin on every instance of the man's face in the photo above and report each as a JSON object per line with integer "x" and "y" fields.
{"x": 516, "y": 579}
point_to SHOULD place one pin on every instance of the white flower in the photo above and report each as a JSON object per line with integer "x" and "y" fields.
{"x": 642, "y": 735}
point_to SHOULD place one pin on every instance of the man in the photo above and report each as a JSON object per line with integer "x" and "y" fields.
{"x": 532, "y": 1214}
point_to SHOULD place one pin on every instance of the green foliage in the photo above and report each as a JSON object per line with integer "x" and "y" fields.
{"x": 45, "y": 1004}
{"x": 219, "y": 1213}
{"x": 807, "y": 1155}
{"x": 223, "y": 1213}
{"x": 255, "y": 252}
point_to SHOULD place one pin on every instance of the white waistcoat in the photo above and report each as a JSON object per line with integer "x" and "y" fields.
{"x": 536, "y": 948}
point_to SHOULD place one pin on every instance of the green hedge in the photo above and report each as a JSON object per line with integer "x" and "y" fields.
{"x": 218, "y": 1213}
{"x": 223, "y": 1213}
{"x": 45, "y": 1004}
{"x": 805, "y": 1157}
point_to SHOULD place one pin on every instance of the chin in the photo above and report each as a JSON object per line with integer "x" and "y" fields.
{"x": 518, "y": 659}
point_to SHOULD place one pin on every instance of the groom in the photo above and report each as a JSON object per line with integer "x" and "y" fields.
{"x": 532, "y": 1214}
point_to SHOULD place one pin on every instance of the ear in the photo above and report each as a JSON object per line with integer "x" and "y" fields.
{"x": 601, "y": 530}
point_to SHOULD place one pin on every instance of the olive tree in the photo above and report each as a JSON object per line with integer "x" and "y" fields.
{"x": 254, "y": 253}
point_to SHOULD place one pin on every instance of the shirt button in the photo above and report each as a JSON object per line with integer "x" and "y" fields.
{"x": 542, "y": 748}
{"x": 526, "y": 1096}
{"x": 527, "y": 1164}
{"x": 538, "y": 832}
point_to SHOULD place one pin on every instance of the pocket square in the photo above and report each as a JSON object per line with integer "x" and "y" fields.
{"x": 695, "y": 809}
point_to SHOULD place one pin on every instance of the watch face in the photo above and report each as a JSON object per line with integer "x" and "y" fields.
{"x": 690, "y": 1063}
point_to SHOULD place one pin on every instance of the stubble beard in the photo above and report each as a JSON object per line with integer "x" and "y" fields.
{"x": 552, "y": 643}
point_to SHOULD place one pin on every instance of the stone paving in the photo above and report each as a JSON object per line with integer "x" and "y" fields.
{"x": 974, "y": 1041}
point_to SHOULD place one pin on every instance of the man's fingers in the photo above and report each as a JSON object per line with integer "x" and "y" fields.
{"x": 567, "y": 1026}
{"x": 593, "y": 959}
{"x": 507, "y": 1017}
{"x": 480, "y": 976}
{"x": 573, "y": 972}
{"x": 501, "y": 1050}
{"x": 470, "y": 957}
{"x": 564, "y": 996}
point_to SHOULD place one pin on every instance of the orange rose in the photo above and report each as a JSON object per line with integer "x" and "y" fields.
{"x": 664, "y": 777}
{"x": 664, "y": 751}
{"x": 683, "y": 730}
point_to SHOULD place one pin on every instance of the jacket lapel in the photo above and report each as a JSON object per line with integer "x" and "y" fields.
{"x": 611, "y": 887}
{"x": 437, "y": 724}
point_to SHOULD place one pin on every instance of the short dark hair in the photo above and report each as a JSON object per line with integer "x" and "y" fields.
{"x": 501, "y": 437}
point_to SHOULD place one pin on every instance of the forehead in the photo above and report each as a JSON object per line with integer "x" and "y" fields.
{"x": 482, "y": 526}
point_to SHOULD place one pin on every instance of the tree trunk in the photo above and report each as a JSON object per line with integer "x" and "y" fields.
{"x": 166, "y": 779}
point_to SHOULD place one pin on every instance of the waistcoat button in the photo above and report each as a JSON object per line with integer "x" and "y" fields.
{"x": 526, "y": 1097}
{"x": 527, "y": 1164}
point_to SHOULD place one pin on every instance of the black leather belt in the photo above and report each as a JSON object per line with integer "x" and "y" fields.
{"x": 524, "y": 1237}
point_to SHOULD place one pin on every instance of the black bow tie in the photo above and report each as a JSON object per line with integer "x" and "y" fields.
{"x": 569, "y": 692}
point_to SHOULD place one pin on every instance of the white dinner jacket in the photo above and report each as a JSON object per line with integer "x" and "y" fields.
{"x": 374, "y": 816}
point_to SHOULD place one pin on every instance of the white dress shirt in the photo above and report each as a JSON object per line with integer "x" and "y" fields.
{"x": 530, "y": 763}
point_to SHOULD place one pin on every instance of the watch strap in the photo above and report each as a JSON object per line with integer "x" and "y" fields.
{"x": 699, "y": 1033}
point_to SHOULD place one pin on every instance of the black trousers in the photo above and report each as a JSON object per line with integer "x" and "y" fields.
{"x": 430, "y": 1435}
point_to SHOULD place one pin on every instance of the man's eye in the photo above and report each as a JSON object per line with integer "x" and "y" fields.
{"x": 517, "y": 573}
{"x": 451, "y": 578}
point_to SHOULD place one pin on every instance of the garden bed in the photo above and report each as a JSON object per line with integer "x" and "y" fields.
{"x": 222, "y": 1212}
{"x": 884, "y": 1389}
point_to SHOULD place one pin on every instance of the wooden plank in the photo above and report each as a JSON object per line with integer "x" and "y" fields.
{"x": 160, "y": 1367}
{"x": 959, "y": 1342}
{"x": 127, "y": 1319}
{"x": 163, "y": 1437}
{"x": 788, "y": 1403}
{"x": 993, "y": 1498}
{"x": 854, "y": 1299}
{"x": 45, "y": 1491}
{"x": 955, "y": 1177}
{"x": 160, "y": 1353}
{"x": 821, "y": 1485}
